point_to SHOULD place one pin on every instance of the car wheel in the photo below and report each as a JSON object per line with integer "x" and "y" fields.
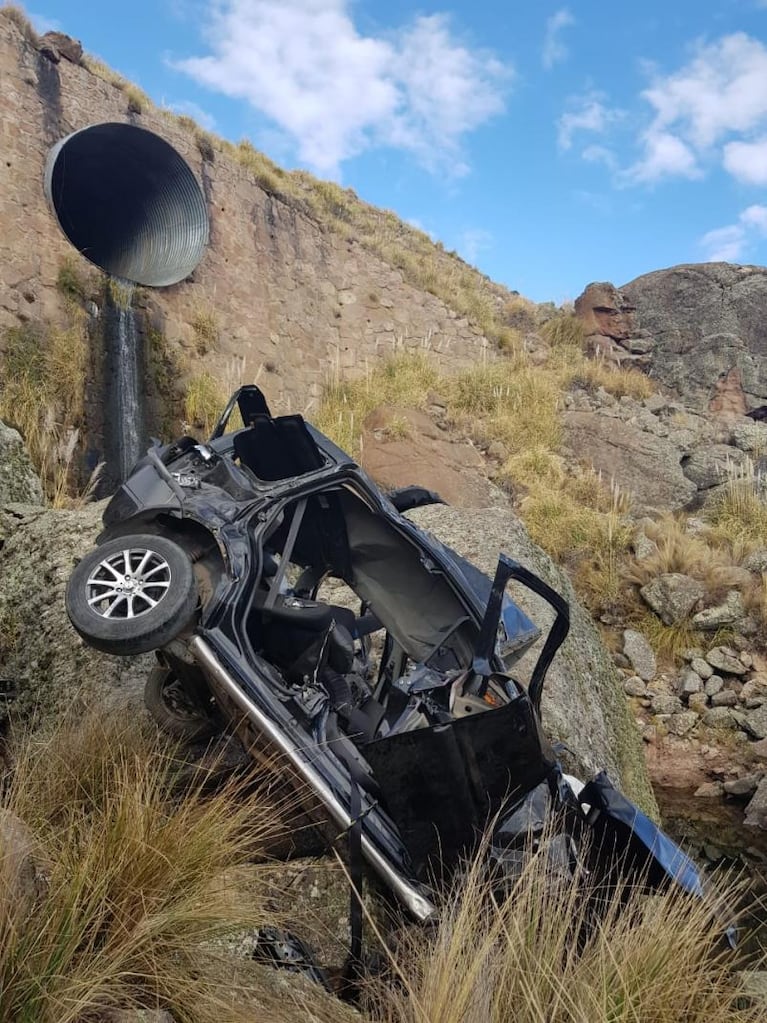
{"x": 173, "y": 709}
{"x": 132, "y": 594}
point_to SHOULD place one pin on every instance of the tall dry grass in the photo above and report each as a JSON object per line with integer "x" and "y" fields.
{"x": 42, "y": 382}
{"x": 741, "y": 511}
{"x": 577, "y": 516}
{"x": 204, "y": 402}
{"x": 539, "y": 956}
{"x": 713, "y": 555}
{"x": 140, "y": 884}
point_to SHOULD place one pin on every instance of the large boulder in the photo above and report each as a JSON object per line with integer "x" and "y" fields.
{"x": 644, "y": 464}
{"x": 610, "y": 326}
{"x": 43, "y": 661}
{"x": 18, "y": 479}
{"x": 394, "y": 439}
{"x": 583, "y": 702}
{"x": 707, "y": 324}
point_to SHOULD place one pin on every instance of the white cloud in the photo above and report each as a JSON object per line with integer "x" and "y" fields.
{"x": 600, "y": 154}
{"x": 712, "y": 110}
{"x": 730, "y": 243}
{"x": 755, "y": 216}
{"x": 587, "y": 113}
{"x": 747, "y": 161}
{"x": 723, "y": 90}
{"x": 724, "y": 243}
{"x": 554, "y": 50}
{"x": 720, "y": 94}
{"x": 337, "y": 92}
{"x": 665, "y": 155}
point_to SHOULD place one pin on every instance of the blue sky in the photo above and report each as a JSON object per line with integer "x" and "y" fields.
{"x": 550, "y": 144}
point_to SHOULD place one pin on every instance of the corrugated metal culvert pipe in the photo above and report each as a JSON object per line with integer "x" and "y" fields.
{"x": 128, "y": 202}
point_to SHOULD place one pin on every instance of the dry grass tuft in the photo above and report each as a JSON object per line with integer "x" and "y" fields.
{"x": 616, "y": 380}
{"x": 205, "y": 326}
{"x": 266, "y": 173}
{"x": 18, "y": 17}
{"x": 582, "y": 523}
{"x": 139, "y": 879}
{"x": 668, "y": 641}
{"x": 537, "y": 957}
{"x": 403, "y": 380}
{"x": 712, "y": 560}
{"x": 104, "y": 71}
{"x": 204, "y": 402}
{"x": 741, "y": 512}
{"x": 508, "y": 400}
{"x": 564, "y": 330}
{"x": 138, "y": 101}
{"x": 710, "y": 556}
{"x": 41, "y": 395}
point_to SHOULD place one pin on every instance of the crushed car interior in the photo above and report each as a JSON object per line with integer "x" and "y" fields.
{"x": 285, "y": 594}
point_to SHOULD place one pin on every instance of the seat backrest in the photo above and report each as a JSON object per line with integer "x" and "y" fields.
{"x": 276, "y": 449}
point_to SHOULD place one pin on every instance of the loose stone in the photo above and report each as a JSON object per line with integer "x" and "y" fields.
{"x": 682, "y": 723}
{"x": 714, "y": 685}
{"x": 719, "y": 717}
{"x": 634, "y": 686}
{"x": 701, "y": 667}
{"x": 725, "y": 698}
{"x": 724, "y": 659}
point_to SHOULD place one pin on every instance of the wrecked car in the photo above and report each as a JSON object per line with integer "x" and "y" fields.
{"x": 288, "y": 597}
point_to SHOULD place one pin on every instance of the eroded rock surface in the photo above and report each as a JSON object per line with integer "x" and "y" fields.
{"x": 403, "y": 446}
{"x": 707, "y": 322}
{"x": 40, "y": 653}
{"x": 18, "y": 480}
{"x": 643, "y": 463}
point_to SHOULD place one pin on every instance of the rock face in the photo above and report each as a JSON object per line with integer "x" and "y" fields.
{"x": 707, "y": 324}
{"x": 583, "y": 700}
{"x": 18, "y": 480}
{"x": 610, "y": 325}
{"x": 55, "y": 45}
{"x": 640, "y": 461}
{"x": 46, "y": 663}
{"x": 672, "y": 596}
{"x": 396, "y": 441}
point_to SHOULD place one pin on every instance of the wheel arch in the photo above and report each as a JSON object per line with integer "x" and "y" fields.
{"x": 206, "y": 552}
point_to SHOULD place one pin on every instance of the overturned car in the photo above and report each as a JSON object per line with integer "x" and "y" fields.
{"x": 288, "y": 597}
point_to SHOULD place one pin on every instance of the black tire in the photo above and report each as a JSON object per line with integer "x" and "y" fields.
{"x": 174, "y": 710}
{"x": 140, "y": 607}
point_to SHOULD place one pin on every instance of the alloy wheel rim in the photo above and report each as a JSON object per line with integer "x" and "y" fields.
{"x": 128, "y": 584}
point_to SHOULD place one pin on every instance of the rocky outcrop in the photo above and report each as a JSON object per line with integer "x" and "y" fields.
{"x": 55, "y": 45}
{"x": 610, "y": 326}
{"x": 641, "y": 462}
{"x": 43, "y": 661}
{"x": 18, "y": 480}
{"x": 706, "y": 322}
{"x": 406, "y": 440}
{"x": 583, "y": 701}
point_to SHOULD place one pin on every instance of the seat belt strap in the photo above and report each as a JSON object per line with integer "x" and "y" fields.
{"x": 287, "y": 551}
